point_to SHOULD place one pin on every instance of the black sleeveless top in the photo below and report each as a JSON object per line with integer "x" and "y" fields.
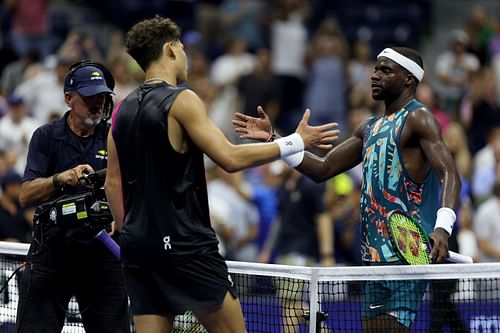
{"x": 164, "y": 192}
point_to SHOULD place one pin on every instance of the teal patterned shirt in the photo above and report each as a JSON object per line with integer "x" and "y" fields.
{"x": 388, "y": 186}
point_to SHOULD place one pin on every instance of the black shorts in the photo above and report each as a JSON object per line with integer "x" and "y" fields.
{"x": 187, "y": 283}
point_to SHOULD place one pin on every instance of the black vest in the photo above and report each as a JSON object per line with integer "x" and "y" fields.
{"x": 165, "y": 195}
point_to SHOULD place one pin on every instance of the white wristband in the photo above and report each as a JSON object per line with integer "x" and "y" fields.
{"x": 446, "y": 217}
{"x": 290, "y": 144}
{"x": 294, "y": 160}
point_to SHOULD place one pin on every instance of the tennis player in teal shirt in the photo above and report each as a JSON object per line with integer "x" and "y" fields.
{"x": 405, "y": 166}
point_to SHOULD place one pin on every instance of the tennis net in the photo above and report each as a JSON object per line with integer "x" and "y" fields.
{"x": 278, "y": 298}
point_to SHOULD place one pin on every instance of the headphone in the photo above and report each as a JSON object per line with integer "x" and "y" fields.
{"x": 110, "y": 82}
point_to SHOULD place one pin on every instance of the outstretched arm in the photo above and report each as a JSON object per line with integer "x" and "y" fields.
{"x": 341, "y": 158}
{"x": 190, "y": 114}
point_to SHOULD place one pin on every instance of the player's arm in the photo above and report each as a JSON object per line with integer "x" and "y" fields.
{"x": 113, "y": 183}
{"x": 188, "y": 110}
{"x": 343, "y": 157}
{"x": 425, "y": 126}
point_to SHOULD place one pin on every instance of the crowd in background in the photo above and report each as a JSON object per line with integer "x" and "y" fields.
{"x": 284, "y": 56}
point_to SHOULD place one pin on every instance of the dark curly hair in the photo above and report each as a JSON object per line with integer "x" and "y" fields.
{"x": 146, "y": 38}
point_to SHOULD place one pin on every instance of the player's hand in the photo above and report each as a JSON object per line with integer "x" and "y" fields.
{"x": 252, "y": 127}
{"x": 439, "y": 241}
{"x": 317, "y": 136}
{"x": 71, "y": 176}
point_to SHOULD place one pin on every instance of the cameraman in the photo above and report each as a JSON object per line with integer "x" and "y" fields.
{"x": 59, "y": 265}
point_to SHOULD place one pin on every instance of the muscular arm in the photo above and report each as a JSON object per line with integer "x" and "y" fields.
{"x": 113, "y": 184}
{"x": 343, "y": 157}
{"x": 189, "y": 112}
{"x": 425, "y": 126}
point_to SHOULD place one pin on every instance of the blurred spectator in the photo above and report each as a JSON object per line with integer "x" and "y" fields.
{"x": 495, "y": 56}
{"x": 243, "y": 219}
{"x": 487, "y": 227}
{"x": 242, "y": 18}
{"x": 466, "y": 238}
{"x": 304, "y": 238}
{"x": 13, "y": 73}
{"x": 288, "y": 42}
{"x": 119, "y": 68}
{"x": 198, "y": 66}
{"x": 342, "y": 202}
{"x": 485, "y": 113}
{"x": 7, "y": 55}
{"x": 485, "y": 158}
{"x": 455, "y": 139}
{"x": 42, "y": 94}
{"x": 79, "y": 45}
{"x": 225, "y": 72}
{"x": 360, "y": 66}
{"x": 18, "y": 127}
{"x": 453, "y": 69}
{"x": 484, "y": 177}
{"x": 426, "y": 95}
{"x": 15, "y": 221}
{"x": 480, "y": 31}
{"x": 326, "y": 90}
{"x": 263, "y": 194}
{"x": 30, "y": 26}
{"x": 208, "y": 94}
{"x": 261, "y": 87}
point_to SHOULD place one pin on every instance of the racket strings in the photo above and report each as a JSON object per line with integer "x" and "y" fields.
{"x": 409, "y": 240}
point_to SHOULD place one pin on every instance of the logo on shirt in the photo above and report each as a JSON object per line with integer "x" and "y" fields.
{"x": 102, "y": 154}
{"x": 166, "y": 243}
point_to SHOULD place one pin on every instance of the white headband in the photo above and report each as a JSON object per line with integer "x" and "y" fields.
{"x": 408, "y": 64}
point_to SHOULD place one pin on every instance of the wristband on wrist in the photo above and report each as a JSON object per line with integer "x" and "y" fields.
{"x": 294, "y": 160}
{"x": 290, "y": 144}
{"x": 445, "y": 219}
{"x": 55, "y": 180}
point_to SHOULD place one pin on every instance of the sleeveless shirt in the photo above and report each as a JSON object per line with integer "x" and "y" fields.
{"x": 164, "y": 192}
{"x": 388, "y": 186}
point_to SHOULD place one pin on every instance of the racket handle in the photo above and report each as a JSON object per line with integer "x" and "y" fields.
{"x": 458, "y": 258}
{"x": 109, "y": 243}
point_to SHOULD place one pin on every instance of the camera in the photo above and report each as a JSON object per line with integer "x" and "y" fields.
{"x": 81, "y": 214}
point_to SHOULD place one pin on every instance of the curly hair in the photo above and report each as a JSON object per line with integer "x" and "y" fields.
{"x": 145, "y": 40}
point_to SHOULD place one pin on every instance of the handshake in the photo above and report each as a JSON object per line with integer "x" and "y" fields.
{"x": 292, "y": 146}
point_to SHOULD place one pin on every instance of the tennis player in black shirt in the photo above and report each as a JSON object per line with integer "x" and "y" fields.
{"x": 157, "y": 189}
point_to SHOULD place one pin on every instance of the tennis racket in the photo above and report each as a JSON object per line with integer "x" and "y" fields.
{"x": 411, "y": 242}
